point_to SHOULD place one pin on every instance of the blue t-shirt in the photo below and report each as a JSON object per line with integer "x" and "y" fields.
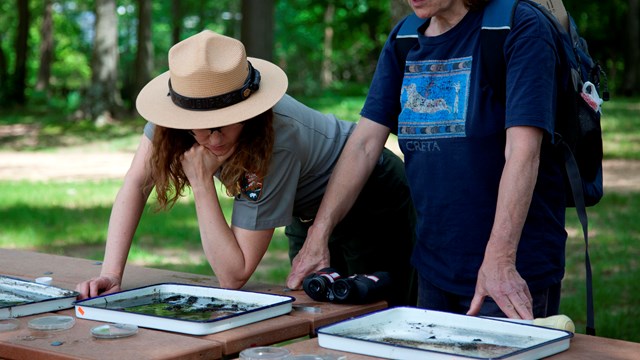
{"x": 452, "y": 131}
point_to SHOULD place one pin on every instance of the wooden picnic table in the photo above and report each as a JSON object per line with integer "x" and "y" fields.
{"x": 78, "y": 343}
{"x": 582, "y": 347}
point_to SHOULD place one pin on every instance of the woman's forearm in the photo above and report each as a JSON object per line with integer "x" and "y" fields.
{"x": 126, "y": 212}
{"x": 233, "y": 254}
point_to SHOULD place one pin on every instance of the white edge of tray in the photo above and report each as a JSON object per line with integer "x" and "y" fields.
{"x": 556, "y": 340}
{"x": 395, "y": 352}
{"x": 44, "y": 306}
{"x": 272, "y": 305}
{"x": 59, "y": 299}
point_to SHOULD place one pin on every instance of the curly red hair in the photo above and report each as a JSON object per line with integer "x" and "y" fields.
{"x": 252, "y": 156}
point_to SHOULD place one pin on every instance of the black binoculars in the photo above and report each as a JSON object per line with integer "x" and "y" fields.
{"x": 328, "y": 285}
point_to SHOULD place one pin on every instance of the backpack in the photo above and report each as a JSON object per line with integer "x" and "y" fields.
{"x": 578, "y": 133}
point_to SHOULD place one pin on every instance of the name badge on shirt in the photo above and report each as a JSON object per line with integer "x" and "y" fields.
{"x": 251, "y": 187}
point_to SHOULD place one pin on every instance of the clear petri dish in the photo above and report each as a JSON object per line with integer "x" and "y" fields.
{"x": 9, "y": 324}
{"x": 114, "y": 331}
{"x": 49, "y": 323}
{"x": 264, "y": 353}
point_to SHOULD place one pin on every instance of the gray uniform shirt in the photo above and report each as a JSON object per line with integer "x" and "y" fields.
{"x": 307, "y": 146}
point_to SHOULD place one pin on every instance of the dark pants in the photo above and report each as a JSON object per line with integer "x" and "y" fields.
{"x": 545, "y": 302}
{"x": 377, "y": 234}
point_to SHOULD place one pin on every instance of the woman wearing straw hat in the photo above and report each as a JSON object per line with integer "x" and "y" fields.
{"x": 218, "y": 113}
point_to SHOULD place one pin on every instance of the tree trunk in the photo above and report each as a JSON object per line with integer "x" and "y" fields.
{"x": 21, "y": 46}
{"x": 46, "y": 48}
{"x": 4, "y": 75}
{"x": 232, "y": 19}
{"x": 257, "y": 28}
{"x": 631, "y": 85}
{"x": 104, "y": 101}
{"x": 202, "y": 6}
{"x": 144, "y": 55}
{"x": 327, "y": 51}
{"x": 176, "y": 18}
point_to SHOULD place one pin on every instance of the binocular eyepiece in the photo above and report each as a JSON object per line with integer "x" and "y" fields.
{"x": 328, "y": 285}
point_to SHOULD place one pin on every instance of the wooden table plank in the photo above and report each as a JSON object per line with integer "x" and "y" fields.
{"x": 311, "y": 347}
{"x": 582, "y": 347}
{"x": 78, "y": 343}
{"x": 329, "y": 313}
{"x": 262, "y": 333}
{"x": 317, "y": 312}
{"x": 585, "y": 347}
{"x": 68, "y": 271}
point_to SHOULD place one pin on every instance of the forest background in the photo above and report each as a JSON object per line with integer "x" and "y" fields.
{"x": 70, "y": 71}
{"x": 92, "y": 57}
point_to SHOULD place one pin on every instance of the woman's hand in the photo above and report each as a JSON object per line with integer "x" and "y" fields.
{"x": 307, "y": 261}
{"x": 200, "y": 164}
{"x": 98, "y": 286}
{"x": 313, "y": 256}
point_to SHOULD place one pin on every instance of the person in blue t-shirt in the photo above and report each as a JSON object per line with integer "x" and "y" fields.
{"x": 485, "y": 180}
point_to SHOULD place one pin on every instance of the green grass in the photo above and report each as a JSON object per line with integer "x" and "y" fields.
{"x": 614, "y": 235}
{"x": 621, "y": 129}
{"x": 70, "y": 218}
{"x": 344, "y": 107}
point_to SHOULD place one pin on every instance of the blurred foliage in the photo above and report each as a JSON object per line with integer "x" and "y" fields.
{"x": 604, "y": 25}
{"x": 359, "y": 29}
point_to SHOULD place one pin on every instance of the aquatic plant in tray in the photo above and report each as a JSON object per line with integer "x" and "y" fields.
{"x": 189, "y": 309}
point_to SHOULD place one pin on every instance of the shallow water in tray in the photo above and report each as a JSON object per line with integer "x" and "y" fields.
{"x": 443, "y": 338}
{"x": 475, "y": 349}
{"x": 7, "y": 300}
{"x": 178, "y": 306}
{"x": 13, "y": 296}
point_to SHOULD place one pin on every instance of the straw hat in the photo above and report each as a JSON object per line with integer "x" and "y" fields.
{"x": 210, "y": 83}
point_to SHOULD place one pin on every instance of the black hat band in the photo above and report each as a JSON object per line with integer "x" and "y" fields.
{"x": 251, "y": 85}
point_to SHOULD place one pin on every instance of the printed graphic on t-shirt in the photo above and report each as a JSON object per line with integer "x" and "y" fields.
{"x": 434, "y": 99}
{"x": 251, "y": 186}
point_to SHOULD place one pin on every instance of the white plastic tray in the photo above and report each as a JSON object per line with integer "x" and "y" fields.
{"x": 215, "y": 309}
{"x": 21, "y": 298}
{"x": 412, "y": 333}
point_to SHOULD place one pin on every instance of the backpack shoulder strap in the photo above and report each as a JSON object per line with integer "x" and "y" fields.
{"x": 407, "y": 37}
{"x": 498, "y": 15}
{"x": 409, "y": 26}
{"x": 496, "y": 25}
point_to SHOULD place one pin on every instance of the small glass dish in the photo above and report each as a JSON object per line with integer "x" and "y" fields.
{"x": 264, "y": 353}
{"x": 114, "y": 331}
{"x": 49, "y": 323}
{"x": 9, "y": 324}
